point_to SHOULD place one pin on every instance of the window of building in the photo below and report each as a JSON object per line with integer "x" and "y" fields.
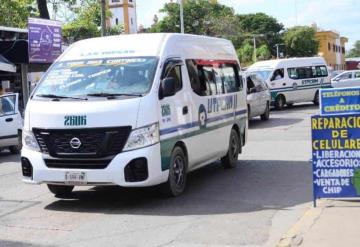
{"x": 329, "y": 46}
{"x": 343, "y": 50}
{"x": 333, "y": 48}
{"x": 131, "y": 20}
{"x": 116, "y": 21}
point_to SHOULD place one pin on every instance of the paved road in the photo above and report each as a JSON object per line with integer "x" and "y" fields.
{"x": 252, "y": 205}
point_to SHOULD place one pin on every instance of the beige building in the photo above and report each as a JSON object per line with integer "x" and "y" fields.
{"x": 123, "y": 12}
{"x": 332, "y": 48}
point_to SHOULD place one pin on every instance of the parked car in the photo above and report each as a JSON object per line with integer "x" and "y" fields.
{"x": 349, "y": 78}
{"x": 258, "y": 97}
{"x": 10, "y": 123}
{"x": 335, "y": 73}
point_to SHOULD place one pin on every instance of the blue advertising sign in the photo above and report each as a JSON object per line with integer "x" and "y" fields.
{"x": 336, "y": 101}
{"x": 336, "y": 156}
{"x": 44, "y": 40}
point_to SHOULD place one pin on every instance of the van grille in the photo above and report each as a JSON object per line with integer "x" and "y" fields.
{"x": 77, "y": 164}
{"x": 95, "y": 142}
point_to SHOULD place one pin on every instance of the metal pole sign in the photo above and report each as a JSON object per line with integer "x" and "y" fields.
{"x": 336, "y": 146}
{"x": 44, "y": 40}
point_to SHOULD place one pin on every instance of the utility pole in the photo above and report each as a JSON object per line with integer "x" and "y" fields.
{"x": 255, "y": 49}
{"x": 182, "y": 16}
{"x": 277, "y": 50}
{"x": 103, "y": 17}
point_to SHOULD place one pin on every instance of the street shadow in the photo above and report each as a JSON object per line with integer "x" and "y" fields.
{"x": 294, "y": 108}
{"x": 273, "y": 122}
{"x": 6, "y": 156}
{"x": 252, "y": 186}
{"x": 7, "y": 243}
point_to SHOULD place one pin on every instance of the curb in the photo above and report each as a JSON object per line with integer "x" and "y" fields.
{"x": 294, "y": 236}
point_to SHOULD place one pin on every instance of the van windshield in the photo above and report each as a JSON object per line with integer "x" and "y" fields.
{"x": 99, "y": 76}
{"x": 263, "y": 74}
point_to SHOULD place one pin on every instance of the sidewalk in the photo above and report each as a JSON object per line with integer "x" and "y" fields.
{"x": 333, "y": 223}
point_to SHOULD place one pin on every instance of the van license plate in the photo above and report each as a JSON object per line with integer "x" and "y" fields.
{"x": 75, "y": 178}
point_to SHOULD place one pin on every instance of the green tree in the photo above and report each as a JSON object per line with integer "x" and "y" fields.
{"x": 355, "y": 51}
{"x": 200, "y": 17}
{"x": 300, "y": 41}
{"x": 15, "y": 13}
{"x": 266, "y": 28}
{"x": 87, "y": 22}
{"x": 245, "y": 54}
{"x": 263, "y": 53}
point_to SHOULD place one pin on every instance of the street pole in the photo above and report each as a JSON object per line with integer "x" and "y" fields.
{"x": 255, "y": 49}
{"x": 182, "y": 16}
{"x": 103, "y": 18}
{"x": 277, "y": 51}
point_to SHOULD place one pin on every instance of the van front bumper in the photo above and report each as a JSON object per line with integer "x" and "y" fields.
{"x": 113, "y": 174}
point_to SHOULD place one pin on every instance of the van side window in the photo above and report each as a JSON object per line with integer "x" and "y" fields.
{"x": 195, "y": 83}
{"x": 213, "y": 79}
{"x": 307, "y": 72}
{"x": 209, "y": 80}
{"x": 292, "y": 72}
{"x": 278, "y": 74}
{"x": 231, "y": 82}
{"x": 175, "y": 73}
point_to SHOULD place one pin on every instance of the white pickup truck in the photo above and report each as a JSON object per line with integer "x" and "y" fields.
{"x": 10, "y": 122}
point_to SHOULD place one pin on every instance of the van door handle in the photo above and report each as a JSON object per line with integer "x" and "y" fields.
{"x": 284, "y": 84}
{"x": 185, "y": 110}
{"x": 9, "y": 120}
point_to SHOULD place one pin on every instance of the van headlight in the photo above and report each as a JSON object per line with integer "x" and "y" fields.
{"x": 143, "y": 137}
{"x": 29, "y": 141}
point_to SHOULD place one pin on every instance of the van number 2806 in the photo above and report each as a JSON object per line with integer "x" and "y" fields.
{"x": 75, "y": 120}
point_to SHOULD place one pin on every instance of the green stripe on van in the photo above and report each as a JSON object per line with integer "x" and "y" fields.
{"x": 167, "y": 145}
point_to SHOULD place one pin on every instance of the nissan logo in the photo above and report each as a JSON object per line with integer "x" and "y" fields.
{"x": 75, "y": 143}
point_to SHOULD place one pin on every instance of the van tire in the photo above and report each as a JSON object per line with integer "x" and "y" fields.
{"x": 231, "y": 158}
{"x": 177, "y": 174}
{"x": 280, "y": 102}
{"x": 61, "y": 191}
{"x": 266, "y": 115}
{"x": 316, "y": 98}
{"x": 14, "y": 149}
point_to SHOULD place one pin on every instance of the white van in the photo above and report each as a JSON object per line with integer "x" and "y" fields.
{"x": 293, "y": 80}
{"x": 135, "y": 110}
{"x": 10, "y": 122}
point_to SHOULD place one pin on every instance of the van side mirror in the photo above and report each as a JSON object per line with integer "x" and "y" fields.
{"x": 167, "y": 87}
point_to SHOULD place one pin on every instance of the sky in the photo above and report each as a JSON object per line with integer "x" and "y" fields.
{"x": 342, "y": 16}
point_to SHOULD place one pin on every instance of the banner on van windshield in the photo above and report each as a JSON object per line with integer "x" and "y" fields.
{"x": 339, "y": 101}
{"x": 44, "y": 40}
{"x": 336, "y": 156}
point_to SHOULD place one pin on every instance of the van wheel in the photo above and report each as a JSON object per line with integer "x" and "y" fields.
{"x": 316, "y": 98}
{"x": 266, "y": 115}
{"x": 177, "y": 174}
{"x": 14, "y": 149}
{"x": 280, "y": 102}
{"x": 61, "y": 191}
{"x": 231, "y": 158}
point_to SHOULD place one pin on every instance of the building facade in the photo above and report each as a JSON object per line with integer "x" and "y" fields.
{"x": 332, "y": 48}
{"x": 123, "y": 12}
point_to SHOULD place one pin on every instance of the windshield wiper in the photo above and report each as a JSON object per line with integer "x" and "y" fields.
{"x": 112, "y": 95}
{"x": 58, "y": 97}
